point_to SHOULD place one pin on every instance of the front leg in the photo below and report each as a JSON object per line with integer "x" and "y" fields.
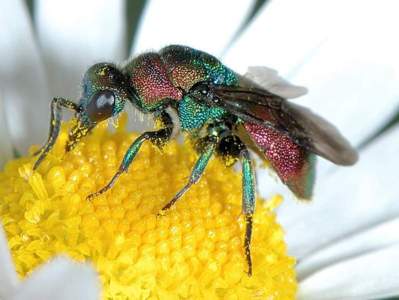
{"x": 55, "y": 123}
{"x": 159, "y": 138}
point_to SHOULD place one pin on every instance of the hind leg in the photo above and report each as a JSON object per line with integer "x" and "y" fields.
{"x": 232, "y": 149}
{"x": 248, "y": 203}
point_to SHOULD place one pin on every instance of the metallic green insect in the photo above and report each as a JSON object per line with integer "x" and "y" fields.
{"x": 218, "y": 108}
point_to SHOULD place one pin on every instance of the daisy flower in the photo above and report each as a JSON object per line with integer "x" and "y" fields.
{"x": 342, "y": 245}
{"x": 69, "y": 280}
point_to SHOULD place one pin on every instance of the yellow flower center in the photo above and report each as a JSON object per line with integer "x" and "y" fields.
{"x": 195, "y": 251}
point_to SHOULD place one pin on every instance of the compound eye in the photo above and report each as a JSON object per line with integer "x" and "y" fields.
{"x": 101, "y": 106}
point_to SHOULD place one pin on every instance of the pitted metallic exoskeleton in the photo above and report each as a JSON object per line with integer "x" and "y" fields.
{"x": 218, "y": 108}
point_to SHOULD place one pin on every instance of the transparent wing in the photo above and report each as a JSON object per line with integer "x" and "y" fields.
{"x": 305, "y": 128}
{"x": 269, "y": 79}
{"x": 327, "y": 141}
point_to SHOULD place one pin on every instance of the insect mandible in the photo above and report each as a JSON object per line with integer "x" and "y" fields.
{"x": 218, "y": 108}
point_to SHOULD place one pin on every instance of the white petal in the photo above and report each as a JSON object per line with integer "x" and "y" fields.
{"x": 349, "y": 200}
{"x": 350, "y": 66}
{"x": 370, "y": 276}
{"x": 361, "y": 79}
{"x": 75, "y": 34}
{"x": 207, "y": 25}
{"x": 60, "y": 279}
{"x": 5, "y": 144}
{"x": 283, "y": 34}
{"x": 22, "y": 78}
{"x": 271, "y": 81}
{"x": 380, "y": 236}
{"x": 8, "y": 276}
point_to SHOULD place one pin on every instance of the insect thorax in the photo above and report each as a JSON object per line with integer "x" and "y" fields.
{"x": 194, "y": 115}
{"x": 169, "y": 74}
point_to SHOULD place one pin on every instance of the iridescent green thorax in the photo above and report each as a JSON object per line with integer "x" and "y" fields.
{"x": 186, "y": 67}
{"x": 166, "y": 76}
{"x": 193, "y": 115}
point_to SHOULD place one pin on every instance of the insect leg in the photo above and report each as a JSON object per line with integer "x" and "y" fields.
{"x": 199, "y": 167}
{"x": 159, "y": 138}
{"x": 55, "y": 121}
{"x": 231, "y": 148}
{"x": 248, "y": 202}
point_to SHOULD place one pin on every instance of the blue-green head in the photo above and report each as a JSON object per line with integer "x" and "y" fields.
{"x": 104, "y": 93}
{"x": 105, "y": 90}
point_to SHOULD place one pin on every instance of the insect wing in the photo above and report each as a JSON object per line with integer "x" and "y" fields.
{"x": 270, "y": 80}
{"x": 252, "y": 105}
{"x": 255, "y": 105}
{"x": 293, "y": 164}
{"x": 326, "y": 140}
